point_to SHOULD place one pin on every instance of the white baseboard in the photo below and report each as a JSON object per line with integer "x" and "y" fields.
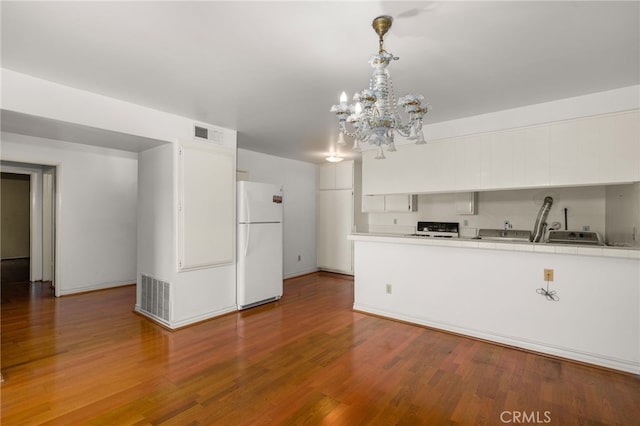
{"x": 300, "y": 273}
{"x": 101, "y": 286}
{"x": 173, "y": 325}
{"x": 629, "y": 366}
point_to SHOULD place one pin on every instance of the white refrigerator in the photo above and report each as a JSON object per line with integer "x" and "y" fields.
{"x": 259, "y": 244}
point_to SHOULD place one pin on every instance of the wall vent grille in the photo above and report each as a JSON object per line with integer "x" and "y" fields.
{"x": 156, "y": 297}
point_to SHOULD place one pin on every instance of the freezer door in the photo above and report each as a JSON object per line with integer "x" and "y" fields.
{"x": 259, "y": 202}
{"x": 260, "y": 270}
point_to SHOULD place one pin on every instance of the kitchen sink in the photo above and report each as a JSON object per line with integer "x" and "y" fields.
{"x": 504, "y": 235}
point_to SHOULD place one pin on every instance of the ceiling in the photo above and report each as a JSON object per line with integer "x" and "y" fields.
{"x": 271, "y": 70}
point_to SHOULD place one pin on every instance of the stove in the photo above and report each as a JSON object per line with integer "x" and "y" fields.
{"x": 437, "y": 229}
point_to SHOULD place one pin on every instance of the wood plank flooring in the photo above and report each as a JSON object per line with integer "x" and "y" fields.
{"x": 306, "y": 359}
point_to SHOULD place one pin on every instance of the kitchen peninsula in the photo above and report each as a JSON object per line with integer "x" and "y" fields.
{"x": 488, "y": 290}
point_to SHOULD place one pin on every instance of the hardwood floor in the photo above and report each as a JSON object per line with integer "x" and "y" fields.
{"x": 307, "y": 359}
{"x": 14, "y": 270}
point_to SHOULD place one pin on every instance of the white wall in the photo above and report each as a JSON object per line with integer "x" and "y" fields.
{"x": 299, "y": 182}
{"x": 623, "y": 215}
{"x": 586, "y": 207}
{"x": 196, "y": 295}
{"x": 29, "y": 95}
{"x": 97, "y": 191}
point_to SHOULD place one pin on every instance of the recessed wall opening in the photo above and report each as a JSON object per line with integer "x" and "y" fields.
{"x": 28, "y": 224}
{"x": 15, "y": 224}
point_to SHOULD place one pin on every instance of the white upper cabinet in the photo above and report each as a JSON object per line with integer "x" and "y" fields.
{"x": 469, "y": 171}
{"x": 531, "y": 157}
{"x": 373, "y": 203}
{"x": 327, "y": 176}
{"x": 344, "y": 175}
{"x": 465, "y": 203}
{"x": 400, "y": 203}
{"x": 619, "y": 148}
{"x": 396, "y": 203}
{"x": 563, "y": 157}
{"x": 596, "y": 150}
{"x": 336, "y": 175}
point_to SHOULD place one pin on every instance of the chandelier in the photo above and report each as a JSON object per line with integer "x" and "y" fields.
{"x": 375, "y": 118}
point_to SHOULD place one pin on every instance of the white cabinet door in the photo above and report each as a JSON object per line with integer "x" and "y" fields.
{"x": 206, "y": 205}
{"x": 535, "y": 155}
{"x": 486, "y": 160}
{"x": 502, "y": 148}
{"x": 327, "y": 176}
{"x": 590, "y": 142}
{"x": 620, "y": 147}
{"x": 465, "y": 202}
{"x": 373, "y": 204}
{"x": 324, "y": 236}
{"x": 343, "y": 253}
{"x": 596, "y": 150}
{"x": 396, "y": 203}
{"x": 335, "y": 222}
{"x": 529, "y": 157}
{"x": 336, "y": 176}
{"x": 344, "y": 175}
{"x": 400, "y": 203}
{"x": 563, "y": 153}
{"x": 468, "y": 169}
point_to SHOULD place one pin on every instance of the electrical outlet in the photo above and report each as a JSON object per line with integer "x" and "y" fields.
{"x": 586, "y": 228}
{"x": 507, "y": 224}
{"x": 548, "y": 274}
{"x": 389, "y": 288}
{"x": 299, "y": 258}
{"x": 395, "y": 221}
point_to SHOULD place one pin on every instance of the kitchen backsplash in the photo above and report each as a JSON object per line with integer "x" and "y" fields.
{"x": 622, "y": 215}
{"x": 586, "y": 209}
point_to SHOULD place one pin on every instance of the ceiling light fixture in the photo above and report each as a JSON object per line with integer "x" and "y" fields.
{"x": 375, "y": 117}
{"x": 334, "y": 158}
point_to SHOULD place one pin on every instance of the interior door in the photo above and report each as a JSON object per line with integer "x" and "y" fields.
{"x": 343, "y": 222}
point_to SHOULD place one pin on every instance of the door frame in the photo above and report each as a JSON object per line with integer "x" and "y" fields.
{"x": 36, "y": 172}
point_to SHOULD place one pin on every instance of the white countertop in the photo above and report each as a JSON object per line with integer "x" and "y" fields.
{"x": 581, "y": 250}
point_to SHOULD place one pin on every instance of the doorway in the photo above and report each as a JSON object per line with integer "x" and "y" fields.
{"x": 15, "y": 214}
{"x": 29, "y": 205}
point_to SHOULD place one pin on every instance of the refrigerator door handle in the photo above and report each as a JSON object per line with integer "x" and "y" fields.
{"x": 247, "y": 206}
{"x": 246, "y": 240}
